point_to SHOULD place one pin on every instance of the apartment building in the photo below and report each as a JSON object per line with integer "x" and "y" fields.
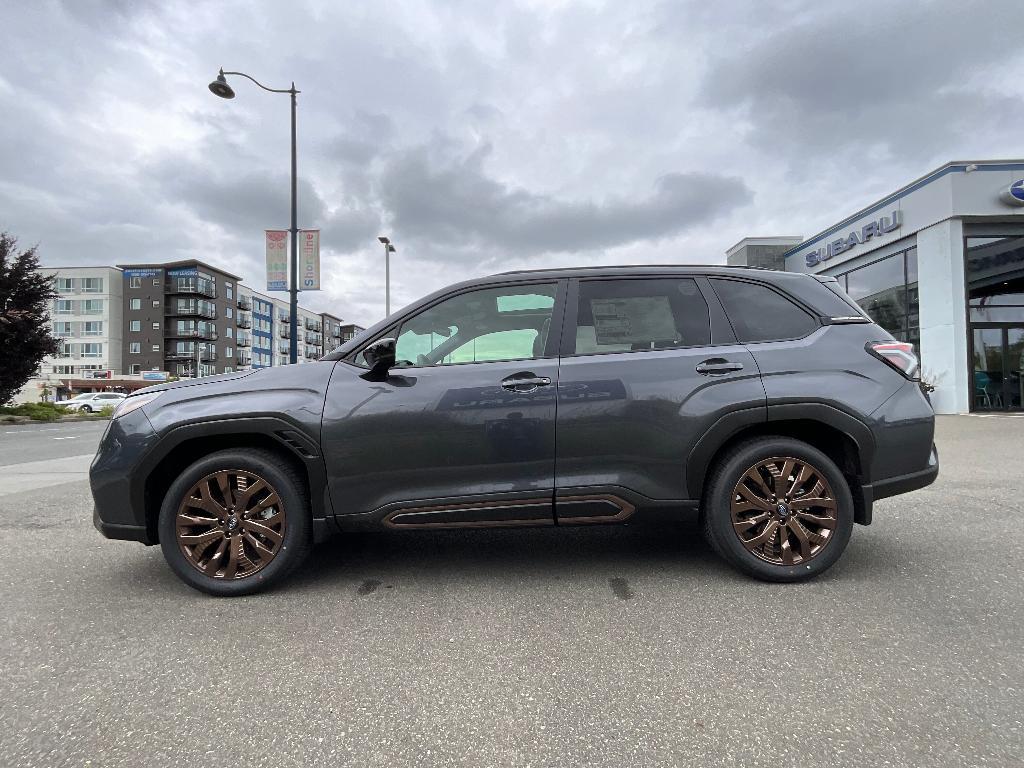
{"x": 179, "y": 318}
{"x": 86, "y": 317}
{"x": 127, "y": 326}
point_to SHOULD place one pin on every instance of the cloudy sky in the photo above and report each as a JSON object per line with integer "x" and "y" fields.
{"x": 483, "y": 136}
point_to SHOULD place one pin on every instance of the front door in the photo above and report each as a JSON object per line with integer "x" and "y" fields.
{"x": 641, "y": 381}
{"x": 998, "y": 360}
{"x": 462, "y": 430}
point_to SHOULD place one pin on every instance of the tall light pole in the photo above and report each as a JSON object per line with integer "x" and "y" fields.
{"x": 220, "y": 87}
{"x": 388, "y": 250}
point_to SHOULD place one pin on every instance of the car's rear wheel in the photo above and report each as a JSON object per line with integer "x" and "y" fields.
{"x": 778, "y": 509}
{"x": 235, "y": 522}
{"x": 85, "y": 409}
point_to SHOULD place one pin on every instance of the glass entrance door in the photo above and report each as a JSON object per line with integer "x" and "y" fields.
{"x": 998, "y": 367}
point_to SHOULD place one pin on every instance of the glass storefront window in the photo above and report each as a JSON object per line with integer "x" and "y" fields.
{"x": 887, "y": 291}
{"x": 995, "y": 279}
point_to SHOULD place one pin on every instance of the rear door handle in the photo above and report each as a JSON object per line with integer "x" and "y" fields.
{"x": 716, "y": 366}
{"x": 524, "y": 382}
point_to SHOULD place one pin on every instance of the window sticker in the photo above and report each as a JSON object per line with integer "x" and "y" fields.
{"x": 633, "y": 320}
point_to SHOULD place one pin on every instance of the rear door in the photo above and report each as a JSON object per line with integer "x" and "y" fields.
{"x": 642, "y": 378}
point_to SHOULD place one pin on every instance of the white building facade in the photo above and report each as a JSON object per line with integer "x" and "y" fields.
{"x": 940, "y": 263}
{"x": 86, "y": 317}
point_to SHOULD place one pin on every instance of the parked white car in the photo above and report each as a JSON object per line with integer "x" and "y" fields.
{"x": 92, "y": 401}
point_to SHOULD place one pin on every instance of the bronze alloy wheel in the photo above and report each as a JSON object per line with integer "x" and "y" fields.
{"x": 784, "y": 511}
{"x": 230, "y": 524}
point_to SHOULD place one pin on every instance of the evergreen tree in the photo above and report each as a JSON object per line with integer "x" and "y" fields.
{"x": 25, "y": 298}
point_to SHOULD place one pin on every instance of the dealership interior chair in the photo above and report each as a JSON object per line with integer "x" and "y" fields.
{"x": 983, "y": 395}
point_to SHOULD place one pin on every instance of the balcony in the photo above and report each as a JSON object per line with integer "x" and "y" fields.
{"x": 336, "y": 332}
{"x": 244, "y": 360}
{"x": 208, "y": 335}
{"x": 284, "y": 319}
{"x": 285, "y": 333}
{"x": 184, "y": 310}
{"x": 193, "y": 286}
{"x": 243, "y": 341}
{"x": 244, "y": 303}
{"x": 244, "y": 322}
{"x": 313, "y": 338}
{"x": 312, "y": 325}
{"x": 206, "y": 356}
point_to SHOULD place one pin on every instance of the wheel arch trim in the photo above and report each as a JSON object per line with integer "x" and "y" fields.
{"x": 287, "y": 436}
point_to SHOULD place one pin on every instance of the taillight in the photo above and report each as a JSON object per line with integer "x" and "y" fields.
{"x": 898, "y": 354}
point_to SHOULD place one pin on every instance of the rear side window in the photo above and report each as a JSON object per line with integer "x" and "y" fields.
{"x": 633, "y": 315}
{"x": 758, "y": 313}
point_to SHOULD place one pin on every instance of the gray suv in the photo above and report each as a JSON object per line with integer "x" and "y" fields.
{"x": 765, "y": 405}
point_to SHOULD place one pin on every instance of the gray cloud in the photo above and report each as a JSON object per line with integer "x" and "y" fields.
{"x": 457, "y": 203}
{"x": 896, "y": 76}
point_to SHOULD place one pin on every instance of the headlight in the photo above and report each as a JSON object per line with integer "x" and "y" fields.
{"x": 133, "y": 403}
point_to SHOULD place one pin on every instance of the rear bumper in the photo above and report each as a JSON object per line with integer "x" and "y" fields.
{"x": 893, "y": 486}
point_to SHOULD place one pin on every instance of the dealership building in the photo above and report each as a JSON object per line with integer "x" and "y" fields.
{"x": 938, "y": 263}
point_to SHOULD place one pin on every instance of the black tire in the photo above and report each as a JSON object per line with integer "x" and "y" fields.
{"x": 85, "y": 409}
{"x": 717, "y": 512}
{"x": 296, "y": 541}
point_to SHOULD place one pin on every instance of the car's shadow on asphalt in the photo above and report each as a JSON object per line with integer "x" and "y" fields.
{"x": 357, "y": 562}
{"x": 500, "y": 553}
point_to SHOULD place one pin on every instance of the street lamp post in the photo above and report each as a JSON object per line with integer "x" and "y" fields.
{"x": 388, "y": 250}
{"x": 220, "y": 87}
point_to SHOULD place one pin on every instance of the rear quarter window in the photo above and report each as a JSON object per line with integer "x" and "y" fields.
{"x": 759, "y": 313}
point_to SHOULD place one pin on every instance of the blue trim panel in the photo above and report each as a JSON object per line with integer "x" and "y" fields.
{"x": 886, "y": 202}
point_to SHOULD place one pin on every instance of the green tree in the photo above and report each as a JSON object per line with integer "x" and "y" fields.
{"x": 25, "y": 297}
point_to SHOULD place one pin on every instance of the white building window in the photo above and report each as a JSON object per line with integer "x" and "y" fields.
{"x": 229, "y": 352}
{"x": 156, "y": 347}
{"x": 156, "y": 302}
{"x": 229, "y": 331}
{"x": 62, "y": 328}
{"x": 92, "y": 307}
{"x": 136, "y": 368}
{"x": 156, "y": 326}
{"x": 93, "y": 328}
{"x": 135, "y": 282}
{"x": 64, "y": 307}
{"x": 136, "y": 304}
{"x": 135, "y": 348}
{"x": 92, "y": 350}
{"x": 136, "y": 325}
{"x": 65, "y": 284}
{"x": 92, "y": 284}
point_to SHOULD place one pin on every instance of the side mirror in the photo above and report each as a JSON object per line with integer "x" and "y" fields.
{"x": 380, "y": 355}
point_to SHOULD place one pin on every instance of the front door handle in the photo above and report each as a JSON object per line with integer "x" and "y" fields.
{"x": 524, "y": 382}
{"x": 716, "y": 366}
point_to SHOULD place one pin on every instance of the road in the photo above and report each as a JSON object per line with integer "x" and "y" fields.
{"x": 35, "y": 456}
{"x": 629, "y": 646}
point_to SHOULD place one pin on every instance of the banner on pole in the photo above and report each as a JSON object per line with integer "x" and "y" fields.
{"x": 309, "y": 259}
{"x": 277, "y": 259}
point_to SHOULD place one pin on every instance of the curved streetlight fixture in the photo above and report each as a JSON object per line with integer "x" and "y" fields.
{"x": 388, "y": 250}
{"x": 221, "y": 88}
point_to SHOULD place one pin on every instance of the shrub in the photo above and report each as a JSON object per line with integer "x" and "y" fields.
{"x": 36, "y": 411}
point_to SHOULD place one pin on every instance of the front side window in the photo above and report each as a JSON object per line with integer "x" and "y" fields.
{"x": 758, "y": 313}
{"x": 635, "y": 315}
{"x": 507, "y": 323}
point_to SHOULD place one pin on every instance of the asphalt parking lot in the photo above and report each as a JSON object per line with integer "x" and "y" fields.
{"x": 599, "y": 647}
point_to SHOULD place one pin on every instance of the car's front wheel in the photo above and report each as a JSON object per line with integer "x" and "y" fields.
{"x": 85, "y": 409}
{"x": 235, "y": 522}
{"x": 778, "y": 509}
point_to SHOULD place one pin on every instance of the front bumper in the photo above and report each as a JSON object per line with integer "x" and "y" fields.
{"x": 121, "y": 531}
{"x": 118, "y": 489}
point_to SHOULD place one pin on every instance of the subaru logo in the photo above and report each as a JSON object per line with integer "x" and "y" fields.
{"x": 1013, "y": 194}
